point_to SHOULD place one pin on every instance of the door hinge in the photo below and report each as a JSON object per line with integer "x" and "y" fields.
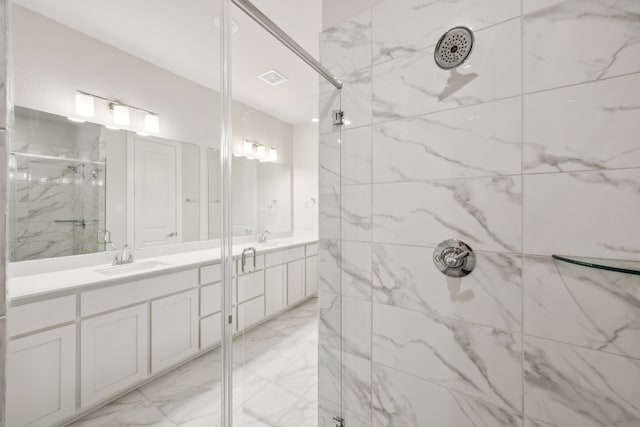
{"x": 338, "y": 117}
{"x": 339, "y": 421}
{"x": 230, "y": 319}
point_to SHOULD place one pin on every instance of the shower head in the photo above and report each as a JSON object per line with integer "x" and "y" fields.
{"x": 453, "y": 48}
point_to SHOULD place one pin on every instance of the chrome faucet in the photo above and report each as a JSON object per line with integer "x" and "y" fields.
{"x": 126, "y": 257}
{"x": 263, "y": 237}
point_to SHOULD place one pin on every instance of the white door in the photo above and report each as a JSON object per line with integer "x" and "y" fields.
{"x": 156, "y": 201}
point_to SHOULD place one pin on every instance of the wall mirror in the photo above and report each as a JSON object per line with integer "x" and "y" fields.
{"x": 78, "y": 188}
{"x": 261, "y": 196}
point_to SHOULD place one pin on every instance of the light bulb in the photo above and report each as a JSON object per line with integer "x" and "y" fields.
{"x": 120, "y": 114}
{"x": 248, "y": 149}
{"x": 152, "y": 123}
{"x": 84, "y": 105}
{"x": 273, "y": 154}
{"x": 262, "y": 153}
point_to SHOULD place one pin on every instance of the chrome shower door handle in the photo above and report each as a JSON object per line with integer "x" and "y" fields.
{"x": 454, "y": 258}
{"x": 246, "y": 268}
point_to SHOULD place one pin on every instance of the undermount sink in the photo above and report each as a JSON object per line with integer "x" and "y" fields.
{"x": 131, "y": 268}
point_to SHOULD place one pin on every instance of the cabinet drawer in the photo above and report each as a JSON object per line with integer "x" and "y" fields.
{"x": 284, "y": 256}
{"x": 210, "y": 274}
{"x": 250, "y": 286}
{"x": 312, "y": 249}
{"x": 250, "y": 313}
{"x": 210, "y": 328}
{"x": 259, "y": 264}
{"x": 210, "y": 299}
{"x": 112, "y": 297}
{"x": 42, "y": 314}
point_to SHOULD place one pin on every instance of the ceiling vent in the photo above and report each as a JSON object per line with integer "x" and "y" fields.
{"x": 272, "y": 77}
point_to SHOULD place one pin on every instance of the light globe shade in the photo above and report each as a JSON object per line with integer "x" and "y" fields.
{"x": 121, "y": 114}
{"x": 152, "y": 123}
{"x": 84, "y": 105}
{"x": 273, "y": 154}
{"x": 262, "y": 153}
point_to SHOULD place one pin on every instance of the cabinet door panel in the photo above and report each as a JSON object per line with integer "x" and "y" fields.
{"x": 295, "y": 281}
{"x": 210, "y": 328}
{"x": 275, "y": 289}
{"x": 250, "y": 313}
{"x": 41, "y": 378}
{"x": 250, "y": 286}
{"x": 311, "y": 273}
{"x": 114, "y": 353}
{"x": 174, "y": 329}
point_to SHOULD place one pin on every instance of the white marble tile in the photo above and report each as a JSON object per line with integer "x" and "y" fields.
{"x": 480, "y": 140}
{"x": 414, "y": 85}
{"x": 575, "y": 41}
{"x": 329, "y": 265}
{"x": 405, "y": 277}
{"x": 480, "y": 361}
{"x": 354, "y": 100}
{"x": 401, "y": 400}
{"x": 3, "y": 351}
{"x": 356, "y": 270}
{"x": 346, "y": 47}
{"x": 356, "y": 327}
{"x": 591, "y": 126}
{"x": 485, "y": 213}
{"x": 261, "y": 406}
{"x": 403, "y": 27}
{"x": 583, "y": 214}
{"x": 329, "y": 329}
{"x": 329, "y": 100}
{"x": 572, "y": 386}
{"x": 356, "y": 212}
{"x": 530, "y": 422}
{"x": 329, "y": 375}
{"x": 329, "y": 201}
{"x": 329, "y": 159}
{"x": 356, "y": 156}
{"x": 303, "y": 414}
{"x": 583, "y": 306}
{"x": 356, "y": 385}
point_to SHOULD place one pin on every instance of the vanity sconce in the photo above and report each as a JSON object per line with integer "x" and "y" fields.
{"x": 260, "y": 152}
{"x": 85, "y": 107}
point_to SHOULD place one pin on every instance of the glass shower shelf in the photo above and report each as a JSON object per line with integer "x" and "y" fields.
{"x": 627, "y": 267}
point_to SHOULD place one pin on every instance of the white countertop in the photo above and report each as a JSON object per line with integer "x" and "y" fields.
{"x": 35, "y": 285}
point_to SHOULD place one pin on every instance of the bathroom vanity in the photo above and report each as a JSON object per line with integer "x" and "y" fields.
{"x": 88, "y": 335}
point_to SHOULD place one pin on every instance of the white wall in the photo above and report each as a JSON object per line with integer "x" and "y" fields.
{"x": 305, "y": 177}
{"x": 334, "y": 12}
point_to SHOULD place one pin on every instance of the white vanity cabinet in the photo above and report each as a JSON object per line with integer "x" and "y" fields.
{"x": 295, "y": 281}
{"x": 275, "y": 289}
{"x": 41, "y": 372}
{"x": 174, "y": 329}
{"x": 114, "y": 353}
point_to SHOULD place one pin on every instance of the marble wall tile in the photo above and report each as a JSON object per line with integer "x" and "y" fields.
{"x": 356, "y": 212}
{"x": 480, "y": 361}
{"x": 356, "y": 156}
{"x": 480, "y": 140}
{"x": 576, "y": 41}
{"x": 330, "y": 376}
{"x": 356, "y": 327}
{"x": 329, "y": 260}
{"x": 329, "y": 99}
{"x": 591, "y": 126}
{"x": 414, "y": 85}
{"x": 572, "y": 386}
{"x": 328, "y": 410}
{"x": 405, "y": 277}
{"x": 356, "y": 270}
{"x": 3, "y": 351}
{"x": 346, "y": 47}
{"x": 401, "y": 400}
{"x": 530, "y": 422}
{"x": 583, "y": 214}
{"x": 355, "y": 99}
{"x": 583, "y": 306}
{"x": 329, "y": 200}
{"x": 329, "y": 159}
{"x": 356, "y": 385}
{"x": 330, "y": 322}
{"x": 423, "y": 22}
{"x": 485, "y": 213}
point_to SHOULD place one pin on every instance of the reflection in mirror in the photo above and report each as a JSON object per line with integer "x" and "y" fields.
{"x": 261, "y": 196}
{"x": 63, "y": 201}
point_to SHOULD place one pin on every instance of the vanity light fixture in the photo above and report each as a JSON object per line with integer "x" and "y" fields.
{"x": 120, "y": 114}
{"x": 315, "y": 120}
{"x": 273, "y": 154}
{"x": 152, "y": 123}
{"x": 256, "y": 151}
{"x": 262, "y": 153}
{"x": 248, "y": 149}
{"x": 85, "y": 105}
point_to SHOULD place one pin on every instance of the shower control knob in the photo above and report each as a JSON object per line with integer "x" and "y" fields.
{"x": 454, "y": 258}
